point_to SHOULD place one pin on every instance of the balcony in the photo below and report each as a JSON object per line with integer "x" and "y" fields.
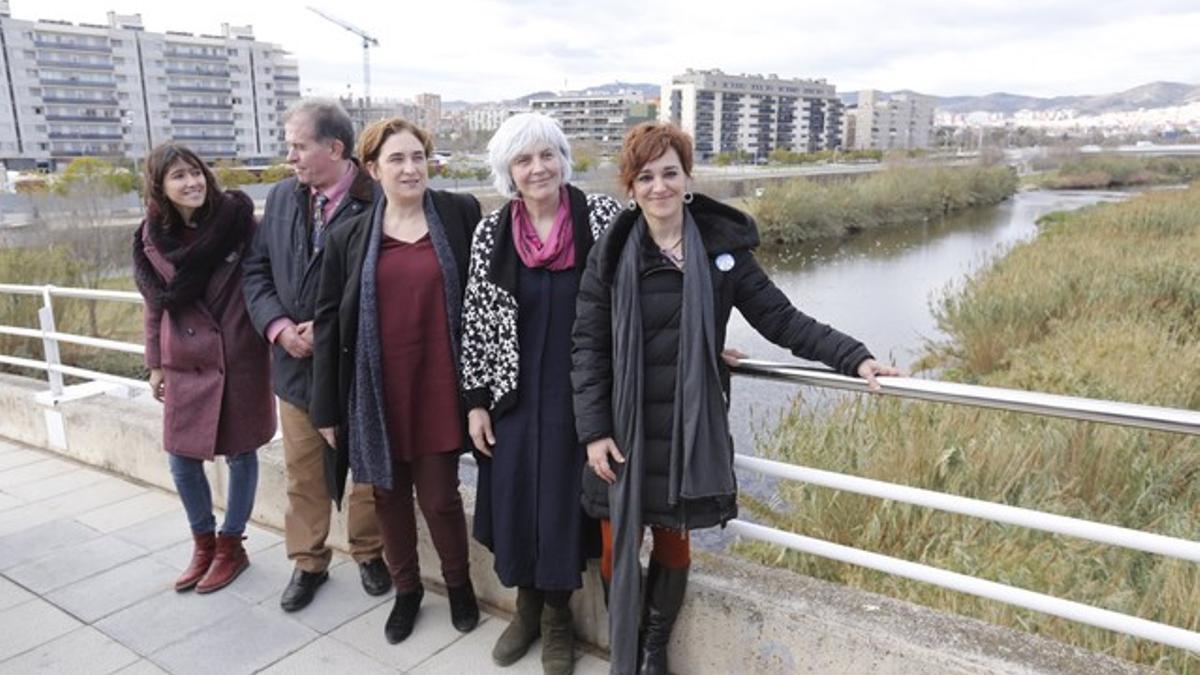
{"x": 197, "y": 72}
{"x": 80, "y": 101}
{"x": 287, "y": 78}
{"x": 202, "y": 106}
{"x": 178, "y": 87}
{"x": 77, "y": 83}
{"x": 194, "y": 56}
{"x": 65, "y": 136}
{"x": 204, "y": 137}
{"x": 50, "y": 63}
{"x": 83, "y": 118}
{"x": 186, "y": 120}
{"x": 71, "y": 46}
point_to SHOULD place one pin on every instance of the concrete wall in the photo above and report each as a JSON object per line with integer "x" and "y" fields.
{"x": 738, "y": 617}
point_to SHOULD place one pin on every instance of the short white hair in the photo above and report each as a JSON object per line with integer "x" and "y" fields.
{"x": 518, "y": 134}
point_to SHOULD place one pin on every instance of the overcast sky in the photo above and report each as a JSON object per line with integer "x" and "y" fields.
{"x": 481, "y": 50}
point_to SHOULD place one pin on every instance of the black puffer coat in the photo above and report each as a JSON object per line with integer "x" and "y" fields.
{"x": 726, "y": 233}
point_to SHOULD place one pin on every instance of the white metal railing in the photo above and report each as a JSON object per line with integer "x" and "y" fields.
{"x": 51, "y": 362}
{"x": 1109, "y": 412}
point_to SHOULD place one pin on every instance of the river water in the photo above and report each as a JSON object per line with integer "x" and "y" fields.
{"x": 881, "y": 287}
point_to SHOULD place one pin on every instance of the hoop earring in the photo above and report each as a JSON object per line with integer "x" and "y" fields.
{"x": 632, "y": 205}
{"x": 688, "y": 197}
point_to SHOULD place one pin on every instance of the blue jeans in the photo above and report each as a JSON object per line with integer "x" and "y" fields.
{"x": 193, "y": 489}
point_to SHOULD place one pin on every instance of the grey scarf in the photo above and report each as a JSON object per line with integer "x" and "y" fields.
{"x": 370, "y": 454}
{"x": 701, "y": 450}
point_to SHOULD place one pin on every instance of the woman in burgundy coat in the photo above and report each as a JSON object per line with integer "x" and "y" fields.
{"x": 208, "y": 366}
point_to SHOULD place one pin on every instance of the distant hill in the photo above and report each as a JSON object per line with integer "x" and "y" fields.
{"x": 648, "y": 90}
{"x": 1152, "y": 95}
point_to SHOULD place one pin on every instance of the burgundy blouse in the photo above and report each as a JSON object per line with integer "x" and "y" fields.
{"x": 420, "y": 389}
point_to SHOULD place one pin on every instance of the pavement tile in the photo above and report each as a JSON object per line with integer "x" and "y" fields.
{"x": 130, "y": 511}
{"x": 432, "y": 634}
{"x": 21, "y": 518}
{"x": 33, "y": 471}
{"x": 340, "y": 599}
{"x": 85, "y": 650}
{"x": 58, "y": 484}
{"x": 260, "y": 538}
{"x": 91, "y": 497}
{"x": 266, "y": 577}
{"x": 8, "y": 501}
{"x": 100, "y": 595}
{"x": 325, "y": 656}
{"x": 31, "y": 624}
{"x": 473, "y": 654}
{"x": 72, "y": 563}
{"x": 142, "y": 667}
{"x": 14, "y": 457}
{"x": 168, "y": 617}
{"x": 12, "y": 594}
{"x": 160, "y": 532}
{"x": 40, "y": 541}
{"x": 274, "y": 637}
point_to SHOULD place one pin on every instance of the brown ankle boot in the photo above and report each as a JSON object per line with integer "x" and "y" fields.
{"x": 203, "y": 548}
{"x": 228, "y": 563}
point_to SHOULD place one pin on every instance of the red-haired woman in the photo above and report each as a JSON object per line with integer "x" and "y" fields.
{"x": 651, "y": 386}
{"x": 208, "y": 366}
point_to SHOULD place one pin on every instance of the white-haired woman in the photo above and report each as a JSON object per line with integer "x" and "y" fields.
{"x": 526, "y": 261}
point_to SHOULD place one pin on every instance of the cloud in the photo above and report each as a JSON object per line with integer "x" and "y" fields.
{"x": 492, "y": 49}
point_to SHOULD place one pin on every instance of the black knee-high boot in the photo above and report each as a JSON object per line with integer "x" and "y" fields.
{"x": 665, "y": 588}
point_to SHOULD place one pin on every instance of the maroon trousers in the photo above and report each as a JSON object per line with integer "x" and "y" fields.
{"x": 435, "y": 478}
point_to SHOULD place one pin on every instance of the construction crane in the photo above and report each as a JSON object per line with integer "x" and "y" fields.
{"x": 367, "y": 43}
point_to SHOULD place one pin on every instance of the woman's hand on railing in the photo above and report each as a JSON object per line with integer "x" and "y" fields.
{"x": 598, "y": 453}
{"x": 733, "y": 356}
{"x": 870, "y": 368}
{"x": 330, "y": 436}
{"x": 479, "y": 427}
{"x": 158, "y": 384}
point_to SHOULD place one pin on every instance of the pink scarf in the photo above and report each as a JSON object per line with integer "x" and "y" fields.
{"x": 557, "y": 253}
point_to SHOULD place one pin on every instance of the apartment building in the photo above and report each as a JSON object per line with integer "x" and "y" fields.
{"x": 878, "y": 121}
{"x": 364, "y": 114}
{"x": 753, "y": 114}
{"x": 596, "y": 117}
{"x": 429, "y": 112}
{"x": 116, "y": 90}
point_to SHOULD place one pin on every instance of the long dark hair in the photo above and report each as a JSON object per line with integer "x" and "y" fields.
{"x": 159, "y": 209}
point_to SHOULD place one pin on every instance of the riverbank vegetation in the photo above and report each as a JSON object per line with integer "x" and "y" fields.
{"x": 803, "y": 209}
{"x": 1104, "y": 303}
{"x": 1115, "y": 171}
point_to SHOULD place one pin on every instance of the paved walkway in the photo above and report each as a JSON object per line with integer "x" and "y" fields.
{"x": 86, "y": 565}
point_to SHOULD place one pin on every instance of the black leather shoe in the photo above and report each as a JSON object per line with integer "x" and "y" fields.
{"x": 301, "y": 589}
{"x": 404, "y": 616}
{"x": 375, "y": 577}
{"x": 464, "y": 610}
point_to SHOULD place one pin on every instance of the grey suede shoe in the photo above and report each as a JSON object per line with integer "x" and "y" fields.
{"x": 558, "y": 641}
{"x": 526, "y": 626}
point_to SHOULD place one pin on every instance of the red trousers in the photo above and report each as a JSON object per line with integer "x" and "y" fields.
{"x": 435, "y": 478}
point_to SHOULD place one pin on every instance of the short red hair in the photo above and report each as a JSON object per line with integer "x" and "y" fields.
{"x": 647, "y": 142}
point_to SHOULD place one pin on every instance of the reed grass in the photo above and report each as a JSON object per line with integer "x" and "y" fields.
{"x": 1103, "y": 303}
{"x": 801, "y": 209}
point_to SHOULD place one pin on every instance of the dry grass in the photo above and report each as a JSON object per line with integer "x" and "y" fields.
{"x": 801, "y": 209}
{"x": 1102, "y": 304}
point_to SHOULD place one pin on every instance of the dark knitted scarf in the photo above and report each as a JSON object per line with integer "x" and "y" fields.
{"x": 221, "y": 233}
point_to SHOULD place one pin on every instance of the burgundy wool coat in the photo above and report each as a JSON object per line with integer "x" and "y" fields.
{"x": 216, "y": 367}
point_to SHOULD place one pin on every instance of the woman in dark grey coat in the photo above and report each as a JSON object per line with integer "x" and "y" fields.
{"x": 656, "y": 295}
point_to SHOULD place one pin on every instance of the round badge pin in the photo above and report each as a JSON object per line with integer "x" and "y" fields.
{"x": 725, "y": 262}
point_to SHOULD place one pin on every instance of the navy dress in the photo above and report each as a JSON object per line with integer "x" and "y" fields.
{"x": 527, "y": 508}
